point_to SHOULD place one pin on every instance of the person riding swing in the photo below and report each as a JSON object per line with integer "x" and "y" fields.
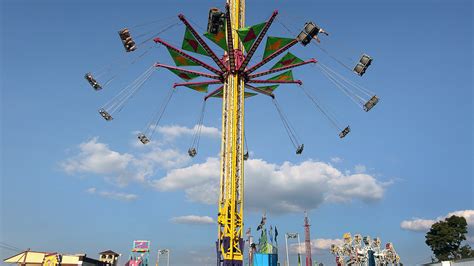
{"x": 319, "y": 30}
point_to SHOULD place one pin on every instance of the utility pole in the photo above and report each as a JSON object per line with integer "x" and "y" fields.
{"x": 307, "y": 240}
{"x": 291, "y": 236}
{"x": 230, "y": 244}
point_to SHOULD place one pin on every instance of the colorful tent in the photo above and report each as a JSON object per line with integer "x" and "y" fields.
{"x": 191, "y": 44}
{"x": 248, "y": 35}
{"x": 287, "y": 60}
{"x": 274, "y": 44}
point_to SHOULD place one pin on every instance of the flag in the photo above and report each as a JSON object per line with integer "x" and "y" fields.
{"x": 270, "y": 234}
{"x": 273, "y": 44}
{"x": 262, "y": 222}
{"x": 292, "y": 235}
{"x": 199, "y": 87}
{"x": 248, "y": 35}
{"x": 219, "y": 38}
{"x": 287, "y": 60}
{"x": 285, "y": 76}
{"x": 276, "y": 234}
{"x": 191, "y": 44}
{"x": 180, "y": 60}
{"x": 183, "y": 75}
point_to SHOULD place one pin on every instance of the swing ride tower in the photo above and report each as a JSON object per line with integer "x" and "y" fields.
{"x": 230, "y": 244}
{"x": 234, "y": 76}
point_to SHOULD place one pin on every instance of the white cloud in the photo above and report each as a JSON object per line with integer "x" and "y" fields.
{"x": 97, "y": 158}
{"x": 112, "y": 194}
{"x": 200, "y": 181}
{"x": 336, "y": 160}
{"x": 180, "y": 178}
{"x": 325, "y": 244}
{"x": 424, "y": 225}
{"x": 276, "y": 188}
{"x": 174, "y": 131}
{"x": 316, "y": 245}
{"x": 193, "y": 219}
{"x": 91, "y": 190}
{"x": 417, "y": 224}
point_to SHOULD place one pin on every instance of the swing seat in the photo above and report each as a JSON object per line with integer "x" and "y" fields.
{"x": 192, "y": 152}
{"x": 365, "y": 60}
{"x": 371, "y": 103}
{"x": 364, "y": 63}
{"x": 360, "y": 69}
{"x": 143, "y": 138}
{"x": 303, "y": 38}
{"x": 309, "y": 31}
{"x": 300, "y": 149}
{"x": 92, "y": 81}
{"x": 344, "y": 132}
{"x": 105, "y": 115}
{"x": 215, "y": 21}
{"x": 246, "y": 156}
{"x": 127, "y": 41}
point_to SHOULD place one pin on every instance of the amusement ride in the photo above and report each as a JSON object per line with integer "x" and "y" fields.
{"x": 233, "y": 78}
{"x": 364, "y": 251}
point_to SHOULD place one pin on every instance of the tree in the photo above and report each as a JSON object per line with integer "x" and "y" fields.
{"x": 445, "y": 239}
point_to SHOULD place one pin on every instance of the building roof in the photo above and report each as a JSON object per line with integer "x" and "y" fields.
{"x": 31, "y": 257}
{"x": 109, "y": 252}
{"x": 36, "y": 257}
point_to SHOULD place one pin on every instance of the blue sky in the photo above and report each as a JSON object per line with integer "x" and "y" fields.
{"x": 410, "y": 157}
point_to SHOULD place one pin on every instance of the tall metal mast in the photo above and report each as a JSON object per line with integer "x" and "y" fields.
{"x": 307, "y": 240}
{"x": 230, "y": 242}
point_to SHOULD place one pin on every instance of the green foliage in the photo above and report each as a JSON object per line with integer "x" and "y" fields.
{"x": 445, "y": 239}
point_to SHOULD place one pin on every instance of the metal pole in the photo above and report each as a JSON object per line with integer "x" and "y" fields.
{"x": 231, "y": 200}
{"x": 287, "y": 255}
{"x": 158, "y": 259}
{"x": 299, "y": 245}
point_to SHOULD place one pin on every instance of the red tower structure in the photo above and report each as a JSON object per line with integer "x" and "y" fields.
{"x": 307, "y": 240}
